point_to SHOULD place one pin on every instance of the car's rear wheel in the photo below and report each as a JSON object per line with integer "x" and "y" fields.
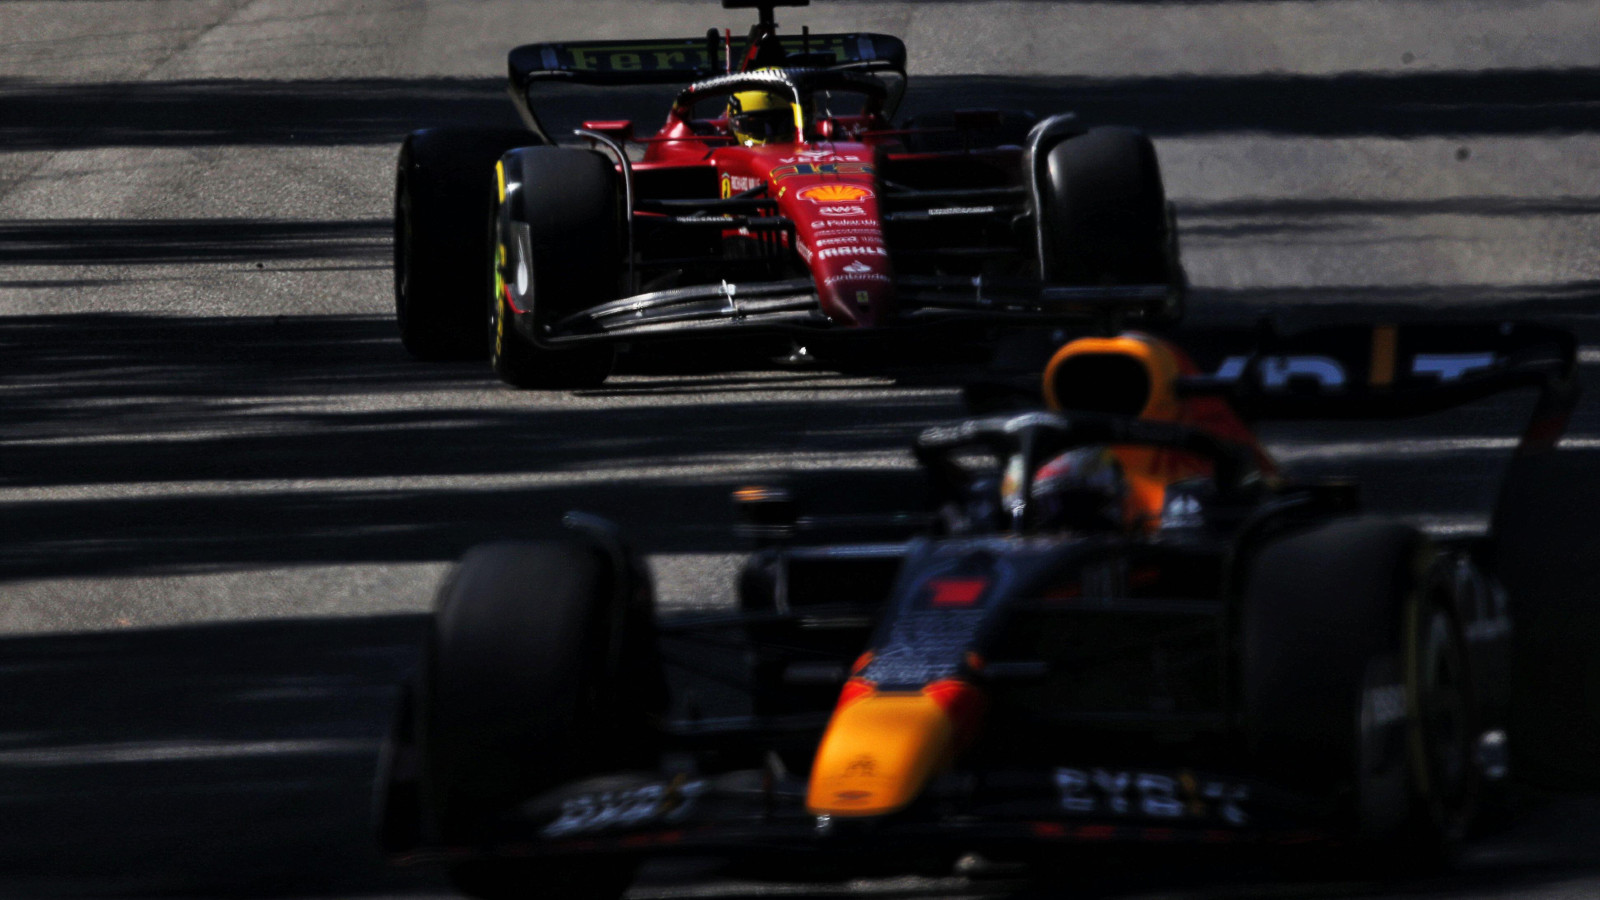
{"x": 1106, "y": 220}
{"x": 555, "y": 250}
{"x": 535, "y": 673}
{"x": 438, "y": 205}
{"x": 1355, "y": 685}
{"x": 1547, "y": 554}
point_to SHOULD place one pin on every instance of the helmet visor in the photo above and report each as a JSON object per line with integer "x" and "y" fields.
{"x": 763, "y": 125}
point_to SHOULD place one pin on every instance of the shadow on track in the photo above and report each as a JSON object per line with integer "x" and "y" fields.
{"x": 102, "y": 242}
{"x": 290, "y": 440}
{"x": 216, "y": 760}
{"x": 287, "y": 440}
{"x": 236, "y": 760}
{"x": 1571, "y": 304}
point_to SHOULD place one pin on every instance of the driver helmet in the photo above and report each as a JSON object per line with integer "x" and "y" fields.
{"x": 1081, "y": 490}
{"x": 759, "y": 116}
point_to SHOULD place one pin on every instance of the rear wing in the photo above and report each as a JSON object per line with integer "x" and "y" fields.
{"x": 1390, "y": 371}
{"x": 681, "y": 60}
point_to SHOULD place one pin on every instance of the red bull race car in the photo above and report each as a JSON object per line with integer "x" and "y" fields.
{"x": 1115, "y": 622}
{"x": 781, "y": 197}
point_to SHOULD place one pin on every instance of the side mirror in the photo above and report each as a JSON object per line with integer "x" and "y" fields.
{"x": 766, "y": 514}
{"x": 619, "y": 130}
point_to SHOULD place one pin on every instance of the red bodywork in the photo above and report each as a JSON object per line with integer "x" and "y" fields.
{"x": 828, "y": 189}
{"x": 784, "y": 229}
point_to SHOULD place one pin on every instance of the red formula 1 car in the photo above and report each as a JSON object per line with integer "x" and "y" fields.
{"x": 1116, "y": 623}
{"x": 779, "y": 198}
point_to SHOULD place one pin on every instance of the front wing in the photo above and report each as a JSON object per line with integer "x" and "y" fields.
{"x": 759, "y": 811}
{"x": 791, "y": 306}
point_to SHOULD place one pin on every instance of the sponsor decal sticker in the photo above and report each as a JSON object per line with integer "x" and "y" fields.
{"x": 1280, "y": 372}
{"x": 854, "y": 278}
{"x": 832, "y": 252}
{"x": 835, "y": 193}
{"x": 828, "y": 168}
{"x": 842, "y": 211}
{"x": 1450, "y": 366}
{"x": 858, "y": 238}
{"x": 819, "y": 155}
{"x": 948, "y": 592}
{"x": 857, "y": 266}
{"x": 685, "y": 56}
{"x": 1156, "y": 795}
{"x": 602, "y": 810}
{"x": 842, "y": 223}
{"x": 737, "y": 184}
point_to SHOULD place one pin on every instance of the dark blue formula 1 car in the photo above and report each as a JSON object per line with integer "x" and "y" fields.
{"x": 1115, "y": 621}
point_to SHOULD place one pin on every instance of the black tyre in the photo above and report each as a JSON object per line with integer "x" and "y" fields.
{"x": 439, "y": 206}
{"x": 1105, "y": 218}
{"x": 536, "y": 672}
{"x": 1354, "y": 681}
{"x": 1547, "y": 554}
{"x": 557, "y": 249}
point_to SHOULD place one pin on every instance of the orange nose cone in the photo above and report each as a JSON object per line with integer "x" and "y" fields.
{"x": 879, "y": 751}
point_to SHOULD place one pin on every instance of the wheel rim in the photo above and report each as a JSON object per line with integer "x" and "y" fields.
{"x": 497, "y": 310}
{"x": 1443, "y": 713}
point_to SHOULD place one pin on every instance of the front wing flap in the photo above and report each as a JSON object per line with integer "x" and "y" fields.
{"x": 758, "y": 810}
{"x": 792, "y": 306}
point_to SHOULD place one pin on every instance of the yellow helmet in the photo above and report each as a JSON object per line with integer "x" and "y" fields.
{"x": 758, "y": 116}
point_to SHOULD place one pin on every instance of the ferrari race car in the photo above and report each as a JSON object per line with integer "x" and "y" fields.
{"x": 1115, "y": 622}
{"x": 779, "y": 198}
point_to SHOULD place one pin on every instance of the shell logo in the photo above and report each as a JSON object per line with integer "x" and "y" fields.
{"x": 835, "y": 193}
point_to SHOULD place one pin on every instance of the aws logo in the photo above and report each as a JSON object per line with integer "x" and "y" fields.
{"x": 835, "y": 193}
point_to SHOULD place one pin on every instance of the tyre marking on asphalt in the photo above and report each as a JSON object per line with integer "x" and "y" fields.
{"x": 165, "y": 751}
{"x": 642, "y": 470}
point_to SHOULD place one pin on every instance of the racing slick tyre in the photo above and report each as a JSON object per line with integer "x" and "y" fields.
{"x": 540, "y": 668}
{"x": 1106, "y": 220}
{"x": 1547, "y": 555}
{"x": 556, "y": 239}
{"x": 438, "y": 205}
{"x": 1355, "y": 683}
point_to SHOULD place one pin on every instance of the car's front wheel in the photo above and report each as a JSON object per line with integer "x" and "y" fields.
{"x": 535, "y": 673}
{"x": 1355, "y": 682}
{"x": 555, "y": 250}
{"x": 1106, "y": 220}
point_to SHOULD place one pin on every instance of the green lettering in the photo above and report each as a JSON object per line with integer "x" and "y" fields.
{"x": 664, "y": 60}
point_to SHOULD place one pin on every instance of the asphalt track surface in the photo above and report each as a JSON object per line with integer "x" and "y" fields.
{"x": 226, "y": 494}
